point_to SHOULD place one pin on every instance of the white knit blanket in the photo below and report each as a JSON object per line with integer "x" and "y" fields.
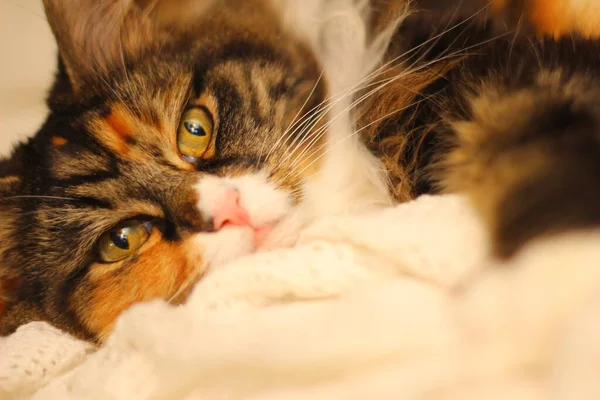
{"x": 397, "y": 303}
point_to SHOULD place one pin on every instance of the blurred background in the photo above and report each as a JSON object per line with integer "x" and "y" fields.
{"x": 28, "y": 57}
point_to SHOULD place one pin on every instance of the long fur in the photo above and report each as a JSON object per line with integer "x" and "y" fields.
{"x": 348, "y": 54}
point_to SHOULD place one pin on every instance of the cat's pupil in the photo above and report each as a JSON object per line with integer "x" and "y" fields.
{"x": 119, "y": 238}
{"x": 195, "y": 128}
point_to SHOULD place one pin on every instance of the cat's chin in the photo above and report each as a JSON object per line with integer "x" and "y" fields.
{"x": 234, "y": 242}
{"x": 283, "y": 234}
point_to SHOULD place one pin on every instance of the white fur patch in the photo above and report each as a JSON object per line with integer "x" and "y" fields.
{"x": 264, "y": 203}
{"x": 351, "y": 179}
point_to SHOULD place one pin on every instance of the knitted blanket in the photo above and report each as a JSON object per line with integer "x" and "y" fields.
{"x": 395, "y": 303}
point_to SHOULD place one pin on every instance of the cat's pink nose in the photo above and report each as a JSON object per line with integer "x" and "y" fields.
{"x": 230, "y": 212}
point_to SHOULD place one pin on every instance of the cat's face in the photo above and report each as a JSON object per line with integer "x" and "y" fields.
{"x": 167, "y": 153}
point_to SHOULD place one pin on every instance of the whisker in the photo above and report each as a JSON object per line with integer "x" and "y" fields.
{"x": 308, "y": 126}
{"x": 318, "y": 112}
{"x": 122, "y": 56}
{"x": 186, "y": 285}
{"x": 346, "y": 138}
{"x": 317, "y": 135}
{"x": 382, "y": 69}
{"x": 38, "y": 197}
{"x": 321, "y": 131}
{"x": 297, "y": 114}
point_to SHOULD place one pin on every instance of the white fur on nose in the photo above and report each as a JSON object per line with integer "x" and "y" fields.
{"x": 264, "y": 203}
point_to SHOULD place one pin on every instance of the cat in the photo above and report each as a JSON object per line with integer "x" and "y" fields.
{"x": 99, "y": 208}
{"x": 176, "y": 141}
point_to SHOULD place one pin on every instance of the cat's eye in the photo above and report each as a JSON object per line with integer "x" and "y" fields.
{"x": 123, "y": 240}
{"x": 194, "y": 133}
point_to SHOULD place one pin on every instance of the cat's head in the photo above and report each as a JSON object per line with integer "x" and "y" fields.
{"x": 180, "y": 137}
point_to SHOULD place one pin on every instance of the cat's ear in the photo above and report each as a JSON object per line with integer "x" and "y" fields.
{"x": 93, "y": 35}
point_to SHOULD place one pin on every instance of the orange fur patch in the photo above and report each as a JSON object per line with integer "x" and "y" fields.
{"x": 557, "y": 17}
{"x": 499, "y": 5}
{"x": 58, "y": 141}
{"x": 9, "y": 180}
{"x": 563, "y": 17}
{"x": 157, "y": 273}
{"x": 586, "y": 15}
{"x": 118, "y": 130}
{"x": 551, "y": 17}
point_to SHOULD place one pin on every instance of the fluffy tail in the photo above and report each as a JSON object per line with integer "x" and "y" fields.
{"x": 530, "y": 161}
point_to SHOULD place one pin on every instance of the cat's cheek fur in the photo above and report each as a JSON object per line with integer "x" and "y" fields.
{"x": 162, "y": 270}
{"x": 224, "y": 246}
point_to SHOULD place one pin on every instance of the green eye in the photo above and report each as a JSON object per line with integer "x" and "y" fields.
{"x": 194, "y": 133}
{"x": 123, "y": 240}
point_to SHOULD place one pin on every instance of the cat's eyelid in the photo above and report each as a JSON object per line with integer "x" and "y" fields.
{"x": 144, "y": 218}
{"x": 197, "y": 106}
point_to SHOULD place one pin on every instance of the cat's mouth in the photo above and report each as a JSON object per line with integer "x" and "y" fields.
{"x": 278, "y": 234}
{"x": 248, "y": 215}
{"x": 281, "y": 234}
{"x": 261, "y": 234}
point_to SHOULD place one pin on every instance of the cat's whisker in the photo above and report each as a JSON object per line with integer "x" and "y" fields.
{"x": 297, "y": 114}
{"x": 322, "y": 130}
{"x": 122, "y": 57}
{"x": 516, "y": 34}
{"x": 38, "y": 197}
{"x": 377, "y": 72}
{"x": 307, "y": 122}
{"x": 455, "y": 54}
{"x": 324, "y": 106}
{"x": 339, "y": 142}
{"x": 308, "y": 126}
{"x": 316, "y": 112}
{"x": 185, "y": 286}
{"x": 26, "y": 9}
{"x": 312, "y": 112}
{"x": 435, "y": 39}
